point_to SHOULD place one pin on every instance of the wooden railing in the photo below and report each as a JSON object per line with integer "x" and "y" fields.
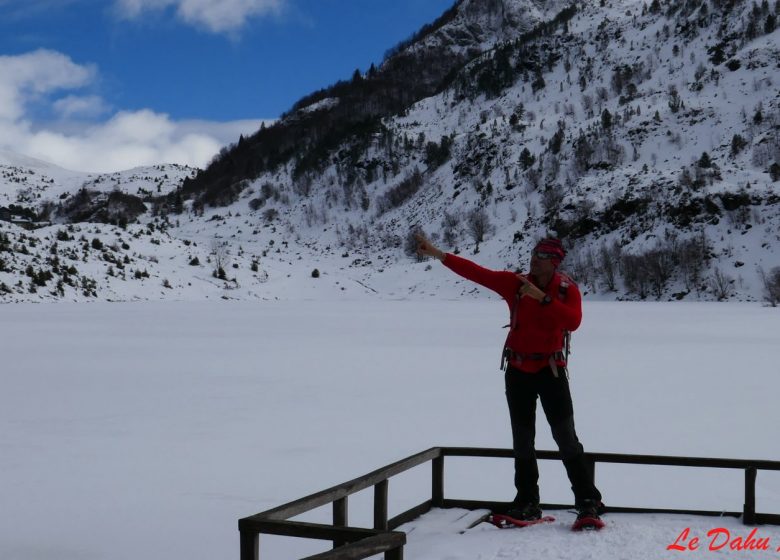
{"x": 354, "y": 543}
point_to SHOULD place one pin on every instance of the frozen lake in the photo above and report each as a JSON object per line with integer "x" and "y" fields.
{"x": 146, "y": 430}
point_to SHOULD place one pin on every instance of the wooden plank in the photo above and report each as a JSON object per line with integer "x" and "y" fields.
{"x": 683, "y": 461}
{"x": 623, "y": 458}
{"x": 364, "y": 548}
{"x": 503, "y": 506}
{"x": 409, "y": 515}
{"x": 767, "y": 519}
{"x": 325, "y": 497}
{"x": 478, "y": 452}
{"x": 305, "y": 530}
{"x": 705, "y": 513}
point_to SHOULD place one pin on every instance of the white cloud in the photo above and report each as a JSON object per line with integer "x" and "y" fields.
{"x": 217, "y": 16}
{"x": 28, "y": 76}
{"x": 78, "y": 105}
{"x": 127, "y": 139}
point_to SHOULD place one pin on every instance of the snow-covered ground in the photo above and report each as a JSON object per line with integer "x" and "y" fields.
{"x": 146, "y": 430}
{"x": 439, "y": 535}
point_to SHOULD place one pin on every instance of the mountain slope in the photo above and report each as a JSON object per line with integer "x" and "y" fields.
{"x": 645, "y": 135}
{"x": 613, "y": 127}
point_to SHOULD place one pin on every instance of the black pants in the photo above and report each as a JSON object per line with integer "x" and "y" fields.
{"x": 522, "y": 389}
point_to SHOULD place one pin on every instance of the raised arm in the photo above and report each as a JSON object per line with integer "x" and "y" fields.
{"x": 501, "y": 281}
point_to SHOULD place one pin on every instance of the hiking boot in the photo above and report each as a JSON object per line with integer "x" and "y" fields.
{"x": 525, "y": 512}
{"x": 589, "y": 509}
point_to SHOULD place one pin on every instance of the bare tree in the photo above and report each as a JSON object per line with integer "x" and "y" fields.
{"x": 450, "y": 224}
{"x": 478, "y": 223}
{"x": 720, "y": 282}
{"x": 219, "y": 250}
{"x": 634, "y": 274}
{"x": 552, "y": 198}
{"x": 608, "y": 260}
{"x": 675, "y": 102}
{"x": 658, "y": 267}
{"x": 771, "y": 283}
{"x": 602, "y": 95}
{"x": 693, "y": 255}
{"x": 587, "y": 105}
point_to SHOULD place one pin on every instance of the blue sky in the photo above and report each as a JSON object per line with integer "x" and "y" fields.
{"x": 185, "y": 75}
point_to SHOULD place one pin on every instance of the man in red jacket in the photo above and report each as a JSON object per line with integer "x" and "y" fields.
{"x": 544, "y": 305}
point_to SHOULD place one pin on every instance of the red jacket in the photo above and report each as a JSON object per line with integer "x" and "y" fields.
{"x": 539, "y": 328}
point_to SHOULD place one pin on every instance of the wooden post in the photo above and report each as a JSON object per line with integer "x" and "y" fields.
{"x": 437, "y": 490}
{"x": 340, "y": 517}
{"x": 395, "y": 554}
{"x": 250, "y": 545}
{"x": 749, "y": 507}
{"x": 380, "y": 506}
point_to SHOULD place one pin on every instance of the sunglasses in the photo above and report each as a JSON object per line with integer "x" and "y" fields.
{"x": 544, "y": 256}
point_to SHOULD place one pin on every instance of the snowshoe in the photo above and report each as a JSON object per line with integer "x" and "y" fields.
{"x": 588, "y": 518}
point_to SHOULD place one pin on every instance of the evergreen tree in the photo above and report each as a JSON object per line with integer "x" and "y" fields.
{"x": 770, "y": 23}
{"x": 606, "y": 119}
{"x": 737, "y": 144}
{"x": 774, "y": 171}
{"x": 675, "y": 102}
{"x": 556, "y": 141}
{"x": 527, "y": 159}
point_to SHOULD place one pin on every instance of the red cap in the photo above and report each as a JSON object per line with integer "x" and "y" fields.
{"x": 553, "y": 247}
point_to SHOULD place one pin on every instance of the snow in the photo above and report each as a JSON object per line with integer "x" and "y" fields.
{"x": 315, "y": 230}
{"x": 322, "y": 105}
{"x": 28, "y": 181}
{"x": 147, "y": 429}
{"x": 13, "y": 159}
{"x": 626, "y": 537}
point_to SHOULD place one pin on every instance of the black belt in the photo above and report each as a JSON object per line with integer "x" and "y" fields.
{"x": 510, "y": 355}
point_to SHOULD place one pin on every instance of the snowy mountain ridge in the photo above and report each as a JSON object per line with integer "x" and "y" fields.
{"x": 480, "y": 25}
{"x": 645, "y": 135}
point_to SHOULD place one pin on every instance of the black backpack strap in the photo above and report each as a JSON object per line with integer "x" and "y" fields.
{"x": 563, "y": 290}
{"x": 513, "y": 312}
{"x": 506, "y": 354}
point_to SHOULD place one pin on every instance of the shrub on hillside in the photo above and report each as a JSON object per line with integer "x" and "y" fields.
{"x": 771, "y": 283}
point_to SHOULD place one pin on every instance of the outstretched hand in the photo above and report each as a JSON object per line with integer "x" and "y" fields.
{"x": 530, "y": 290}
{"x": 427, "y": 249}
